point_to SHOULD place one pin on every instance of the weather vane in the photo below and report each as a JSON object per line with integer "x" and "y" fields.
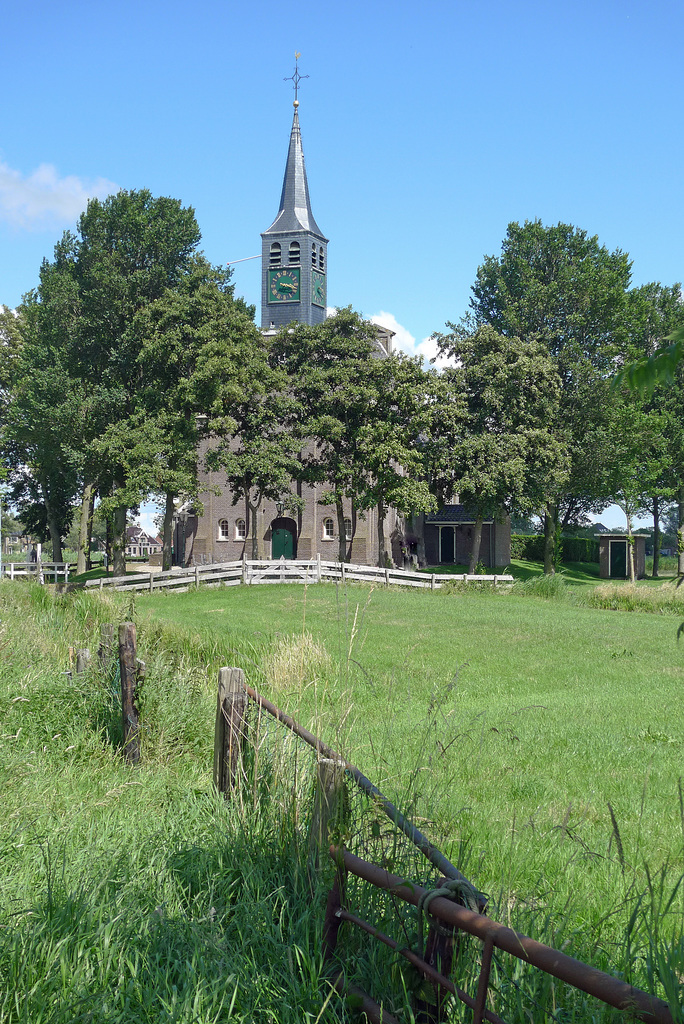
{"x": 296, "y": 78}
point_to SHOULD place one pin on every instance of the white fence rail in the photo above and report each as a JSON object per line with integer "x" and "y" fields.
{"x": 44, "y": 572}
{"x": 297, "y": 570}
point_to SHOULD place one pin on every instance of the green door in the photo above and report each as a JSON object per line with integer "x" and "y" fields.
{"x": 282, "y": 543}
{"x": 446, "y": 537}
{"x": 618, "y": 559}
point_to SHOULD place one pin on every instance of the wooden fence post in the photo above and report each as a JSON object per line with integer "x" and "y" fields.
{"x": 329, "y": 809}
{"x": 129, "y": 678}
{"x": 318, "y": 568}
{"x": 151, "y": 582}
{"x": 432, "y": 581}
{"x": 244, "y": 569}
{"x": 230, "y": 730}
{"x": 106, "y": 648}
{"x": 197, "y": 575}
{"x": 82, "y": 660}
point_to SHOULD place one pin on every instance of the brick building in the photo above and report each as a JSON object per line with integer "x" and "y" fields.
{"x": 294, "y": 288}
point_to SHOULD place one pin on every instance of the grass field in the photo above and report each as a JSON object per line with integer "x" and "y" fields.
{"x": 537, "y": 741}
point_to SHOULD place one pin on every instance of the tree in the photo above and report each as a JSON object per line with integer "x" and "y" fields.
{"x": 504, "y": 455}
{"x": 655, "y": 375}
{"x": 559, "y": 286}
{"x": 129, "y": 250}
{"x": 199, "y": 355}
{"x": 329, "y": 370}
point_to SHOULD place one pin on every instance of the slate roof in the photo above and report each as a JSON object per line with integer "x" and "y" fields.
{"x": 453, "y": 514}
{"x": 295, "y": 207}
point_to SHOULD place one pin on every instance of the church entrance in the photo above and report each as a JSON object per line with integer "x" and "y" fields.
{"x": 282, "y": 542}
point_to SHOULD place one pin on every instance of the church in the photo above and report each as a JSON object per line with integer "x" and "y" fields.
{"x": 294, "y": 258}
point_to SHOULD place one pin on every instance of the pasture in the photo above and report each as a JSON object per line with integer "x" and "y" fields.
{"x": 537, "y": 741}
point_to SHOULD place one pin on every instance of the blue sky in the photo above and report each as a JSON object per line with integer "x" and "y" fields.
{"x": 426, "y": 127}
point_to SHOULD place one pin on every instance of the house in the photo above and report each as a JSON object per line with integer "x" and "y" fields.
{"x": 139, "y": 543}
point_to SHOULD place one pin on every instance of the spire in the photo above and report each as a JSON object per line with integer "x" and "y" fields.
{"x": 295, "y": 206}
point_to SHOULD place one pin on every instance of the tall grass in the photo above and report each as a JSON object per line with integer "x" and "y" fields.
{"x": 138, "y": 895}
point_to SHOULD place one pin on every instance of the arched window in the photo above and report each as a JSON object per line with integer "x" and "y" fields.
{"x": 294, "y": 252}
{"x": 224, "y": 530}
{"x": 240, "y": 530}
{"x": 321, "y": 259}
{"x": 275, "y": 254}
{"x": 328, "y": 529}
{"x": 313, "y": 255}
{"x": 347, "y": 529}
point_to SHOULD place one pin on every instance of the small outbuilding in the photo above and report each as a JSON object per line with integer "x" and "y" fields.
{"x": 613, "y": 561}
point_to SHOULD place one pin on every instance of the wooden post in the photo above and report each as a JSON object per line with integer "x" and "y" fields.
{"x": 197, "y": 575}
{"x": 11, "y": 570}
{"x": 106, "y": 648}
{"x": 151, "y": 582}
{"x": 244, "y": 569}
{"x": 129, "y": 678}
{"x": 101, "y": 583}
{"x": 387, "y": 579}
{"x": 432, "y": 581}
{"x": 329, "y": 809}
{"x": 318, "y": 567}
{"x": 82, "y": 660}
{"x": 230, "y": 730}
{"x": 342, "y": 573}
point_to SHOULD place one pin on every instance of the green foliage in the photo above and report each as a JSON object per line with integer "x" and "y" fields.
{"x": 527, "y": 546}
{"x": 548, "y": 586}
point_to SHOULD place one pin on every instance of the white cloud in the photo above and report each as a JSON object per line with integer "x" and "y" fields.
{"x": 42, "y": 199}
{"x": 404, "y": 340}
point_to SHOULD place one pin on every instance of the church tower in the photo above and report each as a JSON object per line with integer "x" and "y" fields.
{"x": 294, "y": 251}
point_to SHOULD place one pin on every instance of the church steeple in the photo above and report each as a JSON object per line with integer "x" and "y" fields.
{"x": 294, "y": 250}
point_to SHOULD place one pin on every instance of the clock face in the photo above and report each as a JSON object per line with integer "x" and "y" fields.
{"x": 283, "y": 285}
{"x": 317, "y": 288}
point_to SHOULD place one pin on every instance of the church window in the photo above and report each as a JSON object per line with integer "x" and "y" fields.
{"x": 224, "y": 530}
{"x": 328, "y": 529}
{"x": 313, "y": 255}
{"x": 275, "y": 254}
{"x": 294, "y": 252}
{"x": 321, "y": 259}
{"x": 347, "y": 529}
{"x": 240, "y": 530}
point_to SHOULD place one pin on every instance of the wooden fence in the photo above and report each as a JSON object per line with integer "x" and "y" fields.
{"x": 297, "y": 570}
{"x": 43, "y": 572}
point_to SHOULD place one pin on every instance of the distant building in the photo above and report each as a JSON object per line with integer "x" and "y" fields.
{"x": 139, "y": 543}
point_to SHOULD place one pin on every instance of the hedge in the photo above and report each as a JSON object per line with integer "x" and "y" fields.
{"x": 574, "y": 549}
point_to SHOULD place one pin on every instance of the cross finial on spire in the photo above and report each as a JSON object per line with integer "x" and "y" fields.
{"x": 296, "y": 78}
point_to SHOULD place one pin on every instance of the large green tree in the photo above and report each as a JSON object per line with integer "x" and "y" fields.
{"x": 504, "y": 454}
{"x": 128, "y": 251}
{"x": 557, "y": 285}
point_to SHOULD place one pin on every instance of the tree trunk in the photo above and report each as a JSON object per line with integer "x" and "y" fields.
{"x": 83, "y": 556}
{"x": 475, "y": 546}
{"x": 167, "y": 537}
{"x": 91, "y": 516}
{"x": 550, "y": 517}
{"x": 252, "y": 510}
{"x": 656, "y": 536}
{"x": 53, "y": 526}
{"x": 341, "y": 532}
{"x": 680, "y": 531}
{"x": 384, "y": 556}
{"x": 630, "y": 547}
{"x": 119, "y": 541}
{"x": 418, "y": 528}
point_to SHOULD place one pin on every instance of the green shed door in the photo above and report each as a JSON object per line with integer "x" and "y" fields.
{"x": 618, "y": 559}
{"x": 282, "y": 543}
{"x": 446, "y": 544}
